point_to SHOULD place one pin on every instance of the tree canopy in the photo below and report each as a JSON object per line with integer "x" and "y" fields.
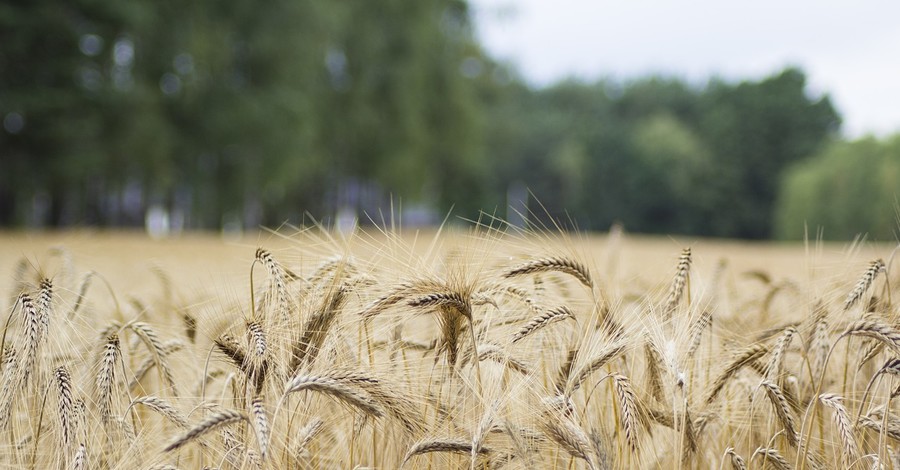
{"x": 233, "y": 113}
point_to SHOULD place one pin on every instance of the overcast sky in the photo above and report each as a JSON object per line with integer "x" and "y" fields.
{"x": 850, "y": 50}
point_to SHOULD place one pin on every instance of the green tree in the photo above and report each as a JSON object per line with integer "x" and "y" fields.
{"x": 63, "y": 69}
{"x": 850, "y": 188}
{"x": 756, "y": 130}
{"x": 671, "y": 190}
{"x": 212, "y": 108}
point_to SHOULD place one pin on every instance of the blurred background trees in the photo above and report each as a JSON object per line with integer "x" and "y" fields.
{"x": 213, "y": 114}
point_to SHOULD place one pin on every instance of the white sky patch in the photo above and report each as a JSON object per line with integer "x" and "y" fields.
{"x": 850, "y": 50}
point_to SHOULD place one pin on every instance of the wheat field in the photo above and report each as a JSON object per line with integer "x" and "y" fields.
{"x": 484, "y": 348}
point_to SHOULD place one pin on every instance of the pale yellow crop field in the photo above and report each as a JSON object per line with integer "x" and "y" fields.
{"x": 460, "y": 349}
{"x": 203, "y": 261}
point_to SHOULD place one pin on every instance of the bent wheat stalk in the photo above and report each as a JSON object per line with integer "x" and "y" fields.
{"x": 215, "y": 421}
{"x": 563, "y": 265}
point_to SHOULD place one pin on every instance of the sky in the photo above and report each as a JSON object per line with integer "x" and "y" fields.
{"x": 850, "y": 50}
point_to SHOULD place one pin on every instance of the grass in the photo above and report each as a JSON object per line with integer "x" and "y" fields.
{"x": 475, "y": 349}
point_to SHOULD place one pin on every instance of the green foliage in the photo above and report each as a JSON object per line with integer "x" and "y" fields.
{"x": 757, "y": 130}
{"x": 234, "y": 112}
{"x": 675, "y": 170}
{"x": 661, "y": 156}
{"x": 851, "y": 188}
{"x": 217, "y": 108}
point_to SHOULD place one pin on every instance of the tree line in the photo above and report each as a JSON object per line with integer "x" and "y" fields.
{"x": 233, "y": 113}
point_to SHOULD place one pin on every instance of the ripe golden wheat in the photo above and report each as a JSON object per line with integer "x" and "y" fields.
{"x": 370, "y": 353}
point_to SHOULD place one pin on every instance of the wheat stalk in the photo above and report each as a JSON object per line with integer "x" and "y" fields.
{"x": 784, "y": 341}
{"x": 632, "y": 417}
{"x": 773, "y": 457}
{"x": 260, "y": 424}
{"x": 214, "y": 421}
{"x": 32, "y": 339}
{"x": 106, "y": 376}
{"x": 744, "y": 357}
{"x": 484, "y": 426}
{"x": 844, "y": 426}
{"x": 158, "y": 350}
{"x": 877, "y": 330}
{"x": 865, "y": 281}
{"x": 45, "y": 306}
{"x": 560, "y": 264}
{"x": 568, "y": 435}
{"x": 79, "y": 462}
{"x": 277, "y": 275}
{"x": 66, "y": 418}
{"x": 737, "y": 462}
{"x": 601, "y": 359}
{"x": 307, "y": 434}
{"x": 697, "y": 329}
{"x": 334, "y": 388}
{"x": 782, "y": 411}
{"x": 676, "y": 291}
{"x": 459, "y": 446}
{"x": 162, "y": 407}
{"x": 543, "y": 320}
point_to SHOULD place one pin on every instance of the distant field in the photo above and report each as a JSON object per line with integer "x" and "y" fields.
{"x": 590, "y": 351}
{"x": 208, "y": 258}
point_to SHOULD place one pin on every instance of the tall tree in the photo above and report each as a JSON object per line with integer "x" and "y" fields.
{"x": 849, "y": 189}
{"x": 756, "y": 130}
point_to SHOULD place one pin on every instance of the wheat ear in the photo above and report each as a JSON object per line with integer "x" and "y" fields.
{"x": 397, "y": 405}
{"x": 79, "y": 462}
{"x": 162, "y": 407}
{"x": 737, "y": 462}
{"x": 875, "y": 329}
{"x": 159, "y": 351}
{"x": 844, "y": 426}
{"x": 66, "y": 417}
{"x": 600, "y": 360}
{"x": 260, "y": 424}
{"x": 333, "y": 388}
{"x": 676, "y": 291}
{"x": 32, "y": 339}
{"x": 782, "y": 410}
{"x": 106, "y": 376}
{"x": 307, "y": 434}
{"x": 697, "y": 329}
{"x": 277, "y": 275}
{"x": 744, "y": 357}
{"x": 217, "y": 420}
{"x": 484, "y": 426}
{"x": 543, "y": 320}
{"x": 778, "y": 351}
{"x": 865, "y": 281}
{"x": 459, "y": 446}
{"x": 560, "y": 264}
{"x": 874, "y": 422}
{"x": 569, "y": 436}
{"x": 773, "y": 457}
{"x": 45, "y": 305}
{"x": 632, "y": 418}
